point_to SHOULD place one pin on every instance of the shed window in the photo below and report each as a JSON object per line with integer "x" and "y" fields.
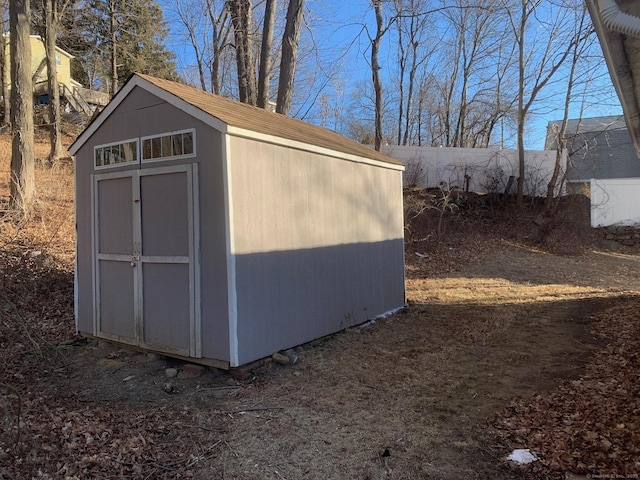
{"x": 170, "y": 145}
{"x": 116, "y": 153}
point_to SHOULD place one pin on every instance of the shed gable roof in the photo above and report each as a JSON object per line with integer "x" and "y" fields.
{"x": 238, "y": 116}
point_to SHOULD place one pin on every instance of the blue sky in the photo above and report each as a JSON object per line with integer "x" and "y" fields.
{"x": 337, "y": 35}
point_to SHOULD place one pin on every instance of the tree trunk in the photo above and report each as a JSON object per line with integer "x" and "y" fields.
{"x": 6, "y": 98}
{"x": 199, "y": 60}
{"x": 553, "y": 61}
{"x": 4, "y": 71}
{"x": 215, "y": 75}
{"x": 289, "y": 55}
{"x": 375, "y": 73}
{"x": 36, "y": 74}
{"x": 521, "y": 162}
{"x": 265, "y": 54}
{"x": 190, "y": 14}
{"x": 402, "y": 63}
{"x": 114, "y": 47}
{"x": 521, "y": 107}
{"x": 23, "y": 188}
{"x": 507, "y": 188}
{"x": 412, "y": 79}
{"x": 219, "y": 36}
{"x": 561, "y": 134}
{"x": 241, "y": 11}
{"x": 51, "y": 28}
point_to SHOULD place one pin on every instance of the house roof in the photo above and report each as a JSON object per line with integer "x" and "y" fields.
{"x": 600, "y": 147}
{"x": 237, "y": 119}
{"x": 602, "y": 155}
{"x": 578, "y": 126}
{"x": 595, "y": 124}
{"x": 58, "y": 49}
{"x": 617, "y": 23}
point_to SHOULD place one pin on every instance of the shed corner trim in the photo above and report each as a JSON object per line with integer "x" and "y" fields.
{"x": 232, "y": 294}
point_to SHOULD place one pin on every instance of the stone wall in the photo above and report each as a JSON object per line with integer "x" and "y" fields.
{"x": 616, "y": 235}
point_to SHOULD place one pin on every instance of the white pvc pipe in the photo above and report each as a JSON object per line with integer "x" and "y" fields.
{"x": 617, "y": 20}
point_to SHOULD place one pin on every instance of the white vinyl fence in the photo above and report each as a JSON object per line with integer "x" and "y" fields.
{"x": 615, "y": 202}
{"x": 486, "y": 170}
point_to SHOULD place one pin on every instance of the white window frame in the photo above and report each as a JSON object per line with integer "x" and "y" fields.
{"x": 116, "y": 165}
{"x": 170, "y": 157}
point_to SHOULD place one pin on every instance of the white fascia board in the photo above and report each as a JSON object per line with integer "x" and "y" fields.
{"x": 285, "y": 142}
{"x": 137, "y": 81}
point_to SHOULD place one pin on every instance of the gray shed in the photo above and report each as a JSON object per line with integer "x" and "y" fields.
{"x": 219, "y": 232}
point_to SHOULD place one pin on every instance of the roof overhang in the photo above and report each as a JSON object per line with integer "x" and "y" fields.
{"x": 194, "y": 102}
{"x": 617, "y": 23}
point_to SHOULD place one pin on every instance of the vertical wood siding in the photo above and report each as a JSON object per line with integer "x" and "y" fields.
{"x": 318, "y": 242}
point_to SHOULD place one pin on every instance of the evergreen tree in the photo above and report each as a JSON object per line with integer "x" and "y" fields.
{"x": 141, "y": 36}
{"x": 114, "y": 38}
{"x": 78, "y": 36}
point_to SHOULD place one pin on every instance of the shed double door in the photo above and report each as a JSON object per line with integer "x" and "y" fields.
{"x": 145, "y": 248}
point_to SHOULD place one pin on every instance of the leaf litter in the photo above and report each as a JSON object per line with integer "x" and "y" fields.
{"x": 509, "y": 341}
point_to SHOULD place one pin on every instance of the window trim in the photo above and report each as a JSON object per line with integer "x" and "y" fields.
{"x": 121, "y": 164}
{"x": 170, "y": 157}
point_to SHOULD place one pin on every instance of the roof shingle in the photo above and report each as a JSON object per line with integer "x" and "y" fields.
{"x": 259, "y": 120}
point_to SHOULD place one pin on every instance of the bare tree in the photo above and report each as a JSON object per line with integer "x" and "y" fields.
{"x": 23, "y": 188}
{"x": 500, "y": 98}
{"x": 289, "y": 56}
{"x": 381, "y": 29}
{"x": 449, "y": 92}
{"x": 403, "y": 55}
{"x": 265, "y": 53}
{"x": 538, "y": 62}
{"x": 220, "y": 30}
{"x": 583, "y": 34}
{"x": 469, "y": 71}
{"x": 413, "y": 25}
{"x": 241, "y": 17}
{"x": 206, "y": 27}
{"x": 52, "y": 11}
{"x": 192, "y": 14}
{"x": 446, "y": 59}
{"x": 6, "y": 100}
{"x": 249, "y": 91}
{"x": 113, "y": 40}
{"x": 474, "y": 24}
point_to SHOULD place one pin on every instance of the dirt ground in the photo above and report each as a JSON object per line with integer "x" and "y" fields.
{"x": 499, "y": 332}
